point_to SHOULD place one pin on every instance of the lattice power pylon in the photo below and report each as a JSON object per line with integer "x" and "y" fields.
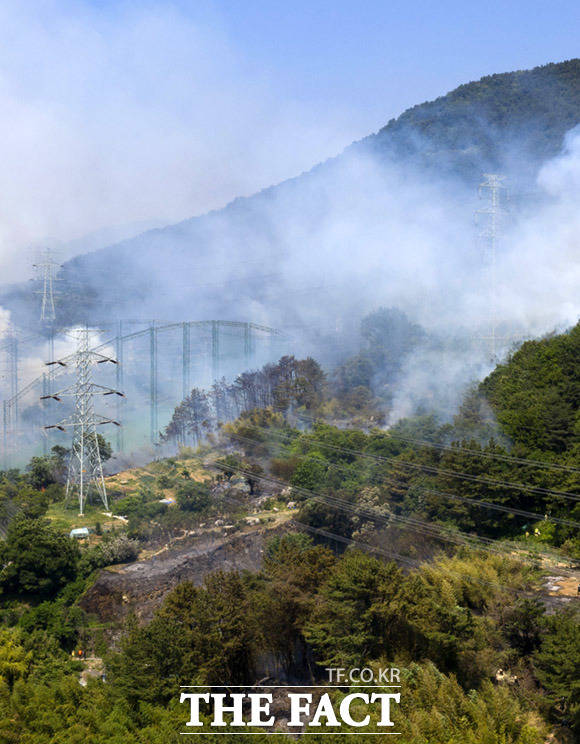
{"x": 85, "y": 469}
{"x": 490, "y": 220}
{"x": 47, "y": 267}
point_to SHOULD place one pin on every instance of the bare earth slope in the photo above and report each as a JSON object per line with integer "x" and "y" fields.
{"x": 141, "y": 586}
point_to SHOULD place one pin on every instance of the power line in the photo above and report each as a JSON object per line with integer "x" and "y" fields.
{"x": 411, "y": 561}
{"x": 403, "y": 559}
{"x": 348, "y": 507}
{"x": 429, "y": 526}
{"x": 464, "y": 499}
{"x": 449, "y": 473}
{"x": 451, "y": 447}
{"x": 427, "y": 529}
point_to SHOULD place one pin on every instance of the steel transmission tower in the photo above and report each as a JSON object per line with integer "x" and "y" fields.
{"x": 85, "y": 470}
{"x": 490, "y": 219}
{"x": 47, "y": 267}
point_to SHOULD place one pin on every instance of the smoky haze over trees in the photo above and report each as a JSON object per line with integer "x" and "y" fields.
{"x": 387, "y": 222}
{"x": 288, "y": 383}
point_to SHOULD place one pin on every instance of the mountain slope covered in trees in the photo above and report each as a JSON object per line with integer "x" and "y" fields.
{"x": 216, "y": 265}
{"x": 523, "y": 114}
{"x": 405, "y": 547}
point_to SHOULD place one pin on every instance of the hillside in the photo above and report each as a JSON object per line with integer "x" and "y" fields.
{"x": 266, "y": 257}
{"x": 511, "y": 121}
{"x": 286, "y": 545}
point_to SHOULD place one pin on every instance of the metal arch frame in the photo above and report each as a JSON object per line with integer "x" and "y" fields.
{"x": 10, "y": 405}
{"x": 153, "y": 330}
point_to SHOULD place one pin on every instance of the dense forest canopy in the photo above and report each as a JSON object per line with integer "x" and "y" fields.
{"x": 523, "y": 114}
{"x": 424, "y": 546}
{"x": 536, "y": 394}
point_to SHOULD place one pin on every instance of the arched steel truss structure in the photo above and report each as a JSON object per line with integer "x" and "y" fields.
{"x": 203, "y": 340}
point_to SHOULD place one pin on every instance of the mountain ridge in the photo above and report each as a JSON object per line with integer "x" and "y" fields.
{"x": 510, "y": 122}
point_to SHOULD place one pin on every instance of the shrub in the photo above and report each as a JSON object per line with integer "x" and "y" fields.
{"x": 193, "y": 496}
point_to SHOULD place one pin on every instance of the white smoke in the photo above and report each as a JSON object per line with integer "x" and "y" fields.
{"x": 539, "y": 273}
{"x": 121, "y": 113}
{"x": 133, "y": 113}
{"x": 4, "y": 322}
{"x": 537, "y": 281}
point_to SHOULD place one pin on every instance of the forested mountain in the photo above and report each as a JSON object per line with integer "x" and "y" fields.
{"x": 508, "y": 121}
{"x": 282, "y": 254}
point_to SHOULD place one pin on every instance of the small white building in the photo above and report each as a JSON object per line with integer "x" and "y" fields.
{"x": 79, "y": 533}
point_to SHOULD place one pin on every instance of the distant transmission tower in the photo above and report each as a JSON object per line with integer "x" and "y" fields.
{"x": 47, "y": 267}
{"x": 490, "y": 219}
{"x": 85, "y": 470}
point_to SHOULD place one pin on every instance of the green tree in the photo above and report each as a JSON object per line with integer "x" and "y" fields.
{"x": 309, "y": 474}
{"x": 557, "y": 664}
{"x": 522, "y": 625}
{"x": 105, "y": 448}
{"x": 41, "y": 472}
{"x": 36, "y": 558}
{"x": 15, "y": 660}
{"x": 206, "y": 633}
{"x": 294, "y": 569}
{"x": 33, "y": 503}
{"x": 356, "y": 611}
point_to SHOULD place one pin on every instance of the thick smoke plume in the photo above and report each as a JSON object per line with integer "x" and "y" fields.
{"x": 143, "y": 114}
{"x": 123, "y": 114}
{"x": 317, "y": 253}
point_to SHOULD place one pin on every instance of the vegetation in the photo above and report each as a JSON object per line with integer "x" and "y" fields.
{"x": 474, "y": 126}
{"x": 288, "y": 383}
{"x": 307, "y": 608}
{"x": 504, "y": 467}
{"x": 388, "y": 337}
{"x": 36, "y": 559}
{"x": 421, "y": 547}
{"x": 536, "y": 397}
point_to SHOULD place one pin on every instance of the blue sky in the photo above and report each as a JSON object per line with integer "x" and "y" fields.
{"x": 378, "y": 58}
